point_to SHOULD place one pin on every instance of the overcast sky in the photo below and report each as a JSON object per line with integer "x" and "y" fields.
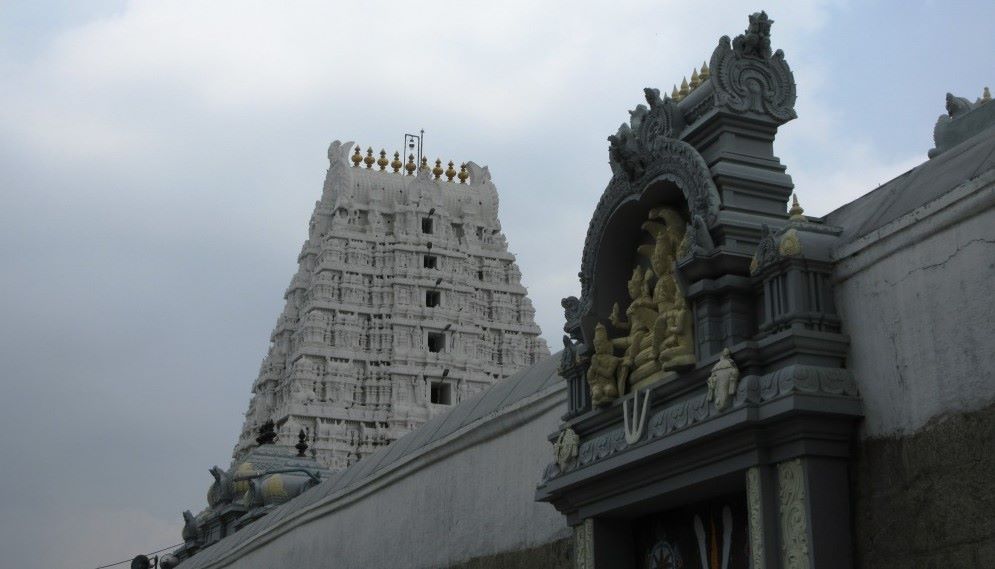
{"x": 159, "y": 162}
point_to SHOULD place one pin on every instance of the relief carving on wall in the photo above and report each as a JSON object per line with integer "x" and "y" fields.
{"x": 655, "y": 335}
{"x": 584, "y": 545}
{"x": 794, "y": 518}
{"x": 755, "y": 515}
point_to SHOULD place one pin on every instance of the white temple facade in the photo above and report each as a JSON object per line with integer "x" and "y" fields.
{"x": 406, "y": 301}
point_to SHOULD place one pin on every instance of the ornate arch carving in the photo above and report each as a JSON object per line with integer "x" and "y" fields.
{"x": 662, "y": 160}
{"x": 747, "y": 77}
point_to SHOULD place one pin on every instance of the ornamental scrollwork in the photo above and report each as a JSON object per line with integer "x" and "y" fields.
{"x": 794, "y": 520}
{"x": 669, "y": 160}
{"x": 747, "y": 77}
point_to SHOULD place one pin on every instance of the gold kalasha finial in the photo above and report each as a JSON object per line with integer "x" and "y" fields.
{"x": 675, "y": 95}
{"x": 684, "y": 88}
{"x": 695, "y": 81}
{"x": 986, "y": 96}
{"x": 396, "y": 163}
{"x": 382, "y": 162}
{"x": 357, "y": 157}
{"x": 450, "y": 172}
{"x": 410, "y": 166}
{"x": 463, "y": 174}
{"x": 437, "y": 171}
{"x": 796, "y": 211}
{"x": 705, "y": 73}
{"x": 369, "y": 160}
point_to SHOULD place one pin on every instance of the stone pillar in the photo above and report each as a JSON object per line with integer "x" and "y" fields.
{"x": 814, "y": 512}
{"x": 762, "y": 509}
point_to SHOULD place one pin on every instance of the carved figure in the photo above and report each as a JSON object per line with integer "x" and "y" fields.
{"x": 658, "y": 324}
{"x": 958, "y": 105}
{"x": 604, "y": 367}
{"x": 566, "y": 448}
{"x": 190, "y": 533}
{"x": 756, "y": 41}
{"x": 220, "y": 491}
{"x": 677, "y": 346}
{"x": 723, "y": 381}
{"x": 697, "y": 239}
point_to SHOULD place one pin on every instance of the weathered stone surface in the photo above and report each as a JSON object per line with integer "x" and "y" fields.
{"x": 926, "y": 500}
{"x": 915, "y": 295}
{"x": 555, "y": 555}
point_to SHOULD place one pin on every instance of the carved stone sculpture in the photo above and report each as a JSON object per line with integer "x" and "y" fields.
{"x": 566, "y": 448}
{"x": 190, "y": 533}
{"x": 659, "y": 336}
{"x": 601, "y": 375}
{"x": 723, "y": 381}
{"x": 221, "y": 489}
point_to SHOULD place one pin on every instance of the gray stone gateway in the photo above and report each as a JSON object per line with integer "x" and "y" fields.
{"x": 711, "y": 414}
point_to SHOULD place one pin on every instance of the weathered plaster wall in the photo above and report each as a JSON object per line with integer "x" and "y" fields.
{"x": 916, "y": 300}
{"x": 466, "y": 501}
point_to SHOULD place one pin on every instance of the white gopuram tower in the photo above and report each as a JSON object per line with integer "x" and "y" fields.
{"x": 406, "y": 301}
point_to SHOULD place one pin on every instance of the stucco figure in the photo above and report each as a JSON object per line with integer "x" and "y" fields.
{"x": 723, "y": 381}
{"x": 566, "y": 448}
{"x": 660, "y": 336}
{"x": 602, "y": 373}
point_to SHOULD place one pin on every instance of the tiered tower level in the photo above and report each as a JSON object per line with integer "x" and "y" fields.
{"x": 406, "y": 301}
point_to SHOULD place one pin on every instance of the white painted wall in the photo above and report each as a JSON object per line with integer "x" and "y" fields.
{"x": 916, "y": 297}
{"x": 468, "y": 495}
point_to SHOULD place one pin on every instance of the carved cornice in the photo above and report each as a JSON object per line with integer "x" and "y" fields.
{"x": 752, "y": 390}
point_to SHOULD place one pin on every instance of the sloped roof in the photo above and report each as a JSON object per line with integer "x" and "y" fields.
{"x": 917, "y": 187}
{"x": 528, "y": 382}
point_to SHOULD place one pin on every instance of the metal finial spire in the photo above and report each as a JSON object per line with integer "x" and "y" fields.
{"x": 796, "y": 212}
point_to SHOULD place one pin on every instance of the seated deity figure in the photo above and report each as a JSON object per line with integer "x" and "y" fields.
{"x": 659, "y": 333}
{"x": 601, "y": 375}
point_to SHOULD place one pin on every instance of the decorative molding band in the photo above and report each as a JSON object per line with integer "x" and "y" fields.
{"x": 755, "y": 512}
{"x": 794, "y": 515}
{"x": 752, "y": 390}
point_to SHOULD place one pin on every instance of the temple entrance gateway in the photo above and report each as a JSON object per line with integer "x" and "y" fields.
{"x": 710, "y": 413}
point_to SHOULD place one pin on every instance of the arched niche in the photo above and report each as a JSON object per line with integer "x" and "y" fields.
{"x": 676, "y": 177}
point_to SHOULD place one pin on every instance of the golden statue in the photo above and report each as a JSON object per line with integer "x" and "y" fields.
{"x": 658, "y": 330}
{"x": 604, "y": 366}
